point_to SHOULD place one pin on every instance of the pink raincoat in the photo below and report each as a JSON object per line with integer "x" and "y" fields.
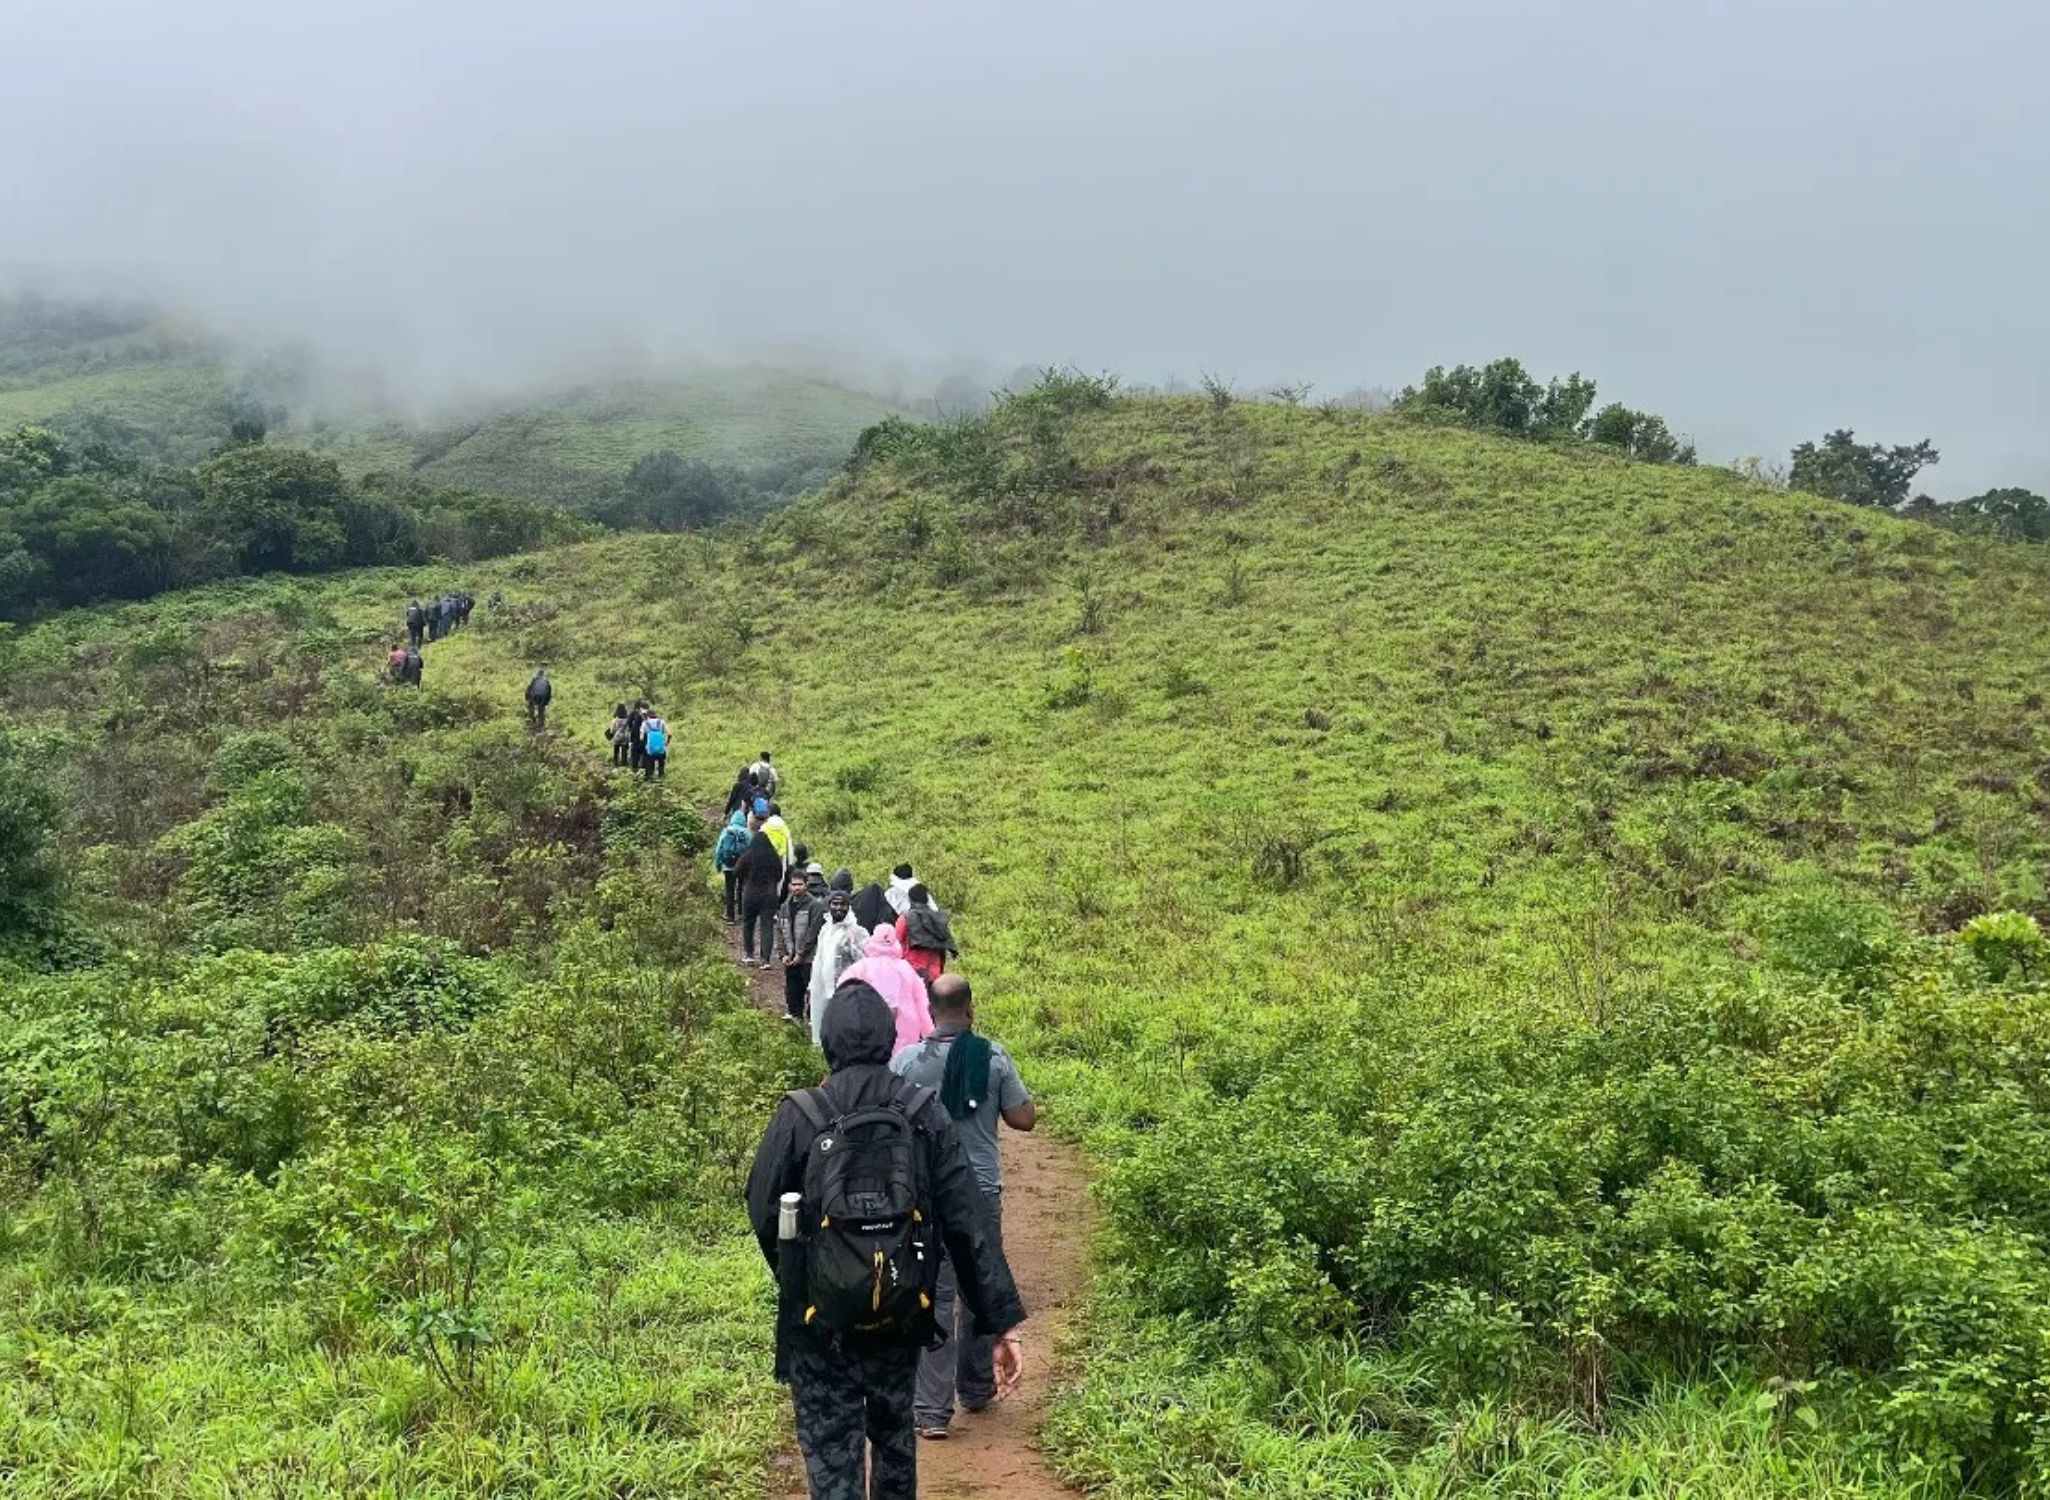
{"x": 884, "y": 970}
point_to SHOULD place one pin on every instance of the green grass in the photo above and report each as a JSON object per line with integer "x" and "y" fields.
{"x": 1391, "y": 820}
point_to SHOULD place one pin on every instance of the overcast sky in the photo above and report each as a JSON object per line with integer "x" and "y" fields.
{"x": 1759, "y": 217}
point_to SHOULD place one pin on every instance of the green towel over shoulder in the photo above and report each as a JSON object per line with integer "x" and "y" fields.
{"x": 966, "y": 1080}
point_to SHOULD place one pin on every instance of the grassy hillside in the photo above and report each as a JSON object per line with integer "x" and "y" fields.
{"x": 152, "y": 386}
{"x": 1490, "y": 907}
{"x": 563, "y": 447}
{"x": 1526, "y": 935}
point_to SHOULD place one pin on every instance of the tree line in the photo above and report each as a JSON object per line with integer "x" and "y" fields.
{"x": 83, "y": 523}
{"x": 1504, "y": 397}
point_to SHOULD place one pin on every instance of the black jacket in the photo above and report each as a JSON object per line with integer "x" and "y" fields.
{"x": 872, "y": 909}
{"x": 859, "y": 1034}
{"x": 761, "y": 867}
{"x": 539, "y": 690}
{"x": 741, "y": 798}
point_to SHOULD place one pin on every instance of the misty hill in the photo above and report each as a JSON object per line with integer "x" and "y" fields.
{"x": 1542, "y": 947}
{"x": 570, "y": 447}
{"x": 148, "y": 385}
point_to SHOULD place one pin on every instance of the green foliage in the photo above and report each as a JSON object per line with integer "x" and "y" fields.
{"x": 1640, "y": 434}
{"x": 29, "y": 813}
{"x": 79, "y": 526}
{"x": 2013, "y": 515}
{"x": 1501, "y": 397}
{"x": 1842, "y": 468}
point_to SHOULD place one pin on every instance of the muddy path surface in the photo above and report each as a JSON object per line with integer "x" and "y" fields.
{"x": 1047, "y": 1228}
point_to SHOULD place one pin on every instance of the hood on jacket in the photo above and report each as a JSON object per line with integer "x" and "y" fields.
{"x": 739, "y": 818}
{"x": 843, "y": 880}
{"x": 883, "y": 944}
{"x": 859, "y": 1027}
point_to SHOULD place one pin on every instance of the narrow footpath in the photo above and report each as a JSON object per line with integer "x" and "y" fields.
{"x": 1047, "y": 1226}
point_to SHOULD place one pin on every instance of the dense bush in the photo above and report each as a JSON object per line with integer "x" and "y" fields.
{"x": 1503, "y": 397}
{"x": 1846, "y": 1182}
{"x": 83, "y": 524}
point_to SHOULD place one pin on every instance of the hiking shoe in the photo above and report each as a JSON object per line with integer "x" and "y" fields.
{"x": 933, "y": 1434}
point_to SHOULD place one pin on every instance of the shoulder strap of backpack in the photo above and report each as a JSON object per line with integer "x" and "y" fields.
{"x": 912, "y": 1101}
{"x": 811, "y": 1103}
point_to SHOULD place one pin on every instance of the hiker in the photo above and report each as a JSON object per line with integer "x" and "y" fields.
{"x": 416, "y": 623}
{"x": 852, "y": 1386}
{"x": 415, "y": 663}
{"x": 742, "y": 797}
{"x": 733, "y": 842}
{"x": 395, "y": 665}
{"x": 842, "y": 942}
{"x": 635, "y": 718}
{"x": 797, "y": 937}
{"x": 447, "y": 609}
{"x": 655, "y": 746}
{"x": 899, "y": 894}
{"x": 927, "y": 936}
{"x": 765, "y": 776}
{"x": 464, "y": 604}
{"x": 882, "y": 968}
{"x": 616, "y": 736}
{"x": 872, "y": 909}
{"x": 778, "y": 832}
{"x": 761, "y": 885}
{"x": 800, "y": 859}
{"x": 979, "y": 1085}
{"x": 539, "y": 692}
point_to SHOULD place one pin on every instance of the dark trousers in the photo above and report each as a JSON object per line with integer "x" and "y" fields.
{"x": 796, "y": 985}
{"x": 733, "y": 895}
{"x": 853, "y": 1406}
{"x": 757, "y": 911}
{"x": 413, "y": 635}
{"x": 962, "y": 1366}
{"x": 537, "y": 714}
{"x": 655, "y": 765}
{"x": 619, "y": 752}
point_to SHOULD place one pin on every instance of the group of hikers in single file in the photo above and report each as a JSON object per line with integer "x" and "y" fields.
{"x": 877, "y": 1195}
{"x": 436, "y": 620}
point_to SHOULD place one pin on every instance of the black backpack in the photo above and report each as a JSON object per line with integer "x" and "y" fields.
{"x": 872, "y": 1257}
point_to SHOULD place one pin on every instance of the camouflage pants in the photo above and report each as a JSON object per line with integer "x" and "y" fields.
{"x": 854, "y": 1414}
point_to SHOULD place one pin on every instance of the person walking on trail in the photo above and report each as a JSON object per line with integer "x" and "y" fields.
{"x": 635, "y": 718}
{"x": 765, "y": 776}
{"x": 761, "y": 886}
{"x": 927, "y": 935}
{"x": 872, "y": 908}
{"x": 882, "y": 968}
{"x": 978, "y": 1083}
{"x": 797, "y": 938}
{"x": 733, "y": 842}
{"x": 842, "y": 942}
{"x": 778, "y": 832}
{"x": 415, "y": 665}
{"x": 416, "y": 624}
{"x": 539, "y": 692}
{"x": 616, "y": 736}
{"x": 899, "y": 894}
{"x": 395, "y": 665}
{"x": 742, "y": 797}
{"x": 464, "y": 604}
{"x": 655, "y": 745}
{"x": 847, "y": 1339}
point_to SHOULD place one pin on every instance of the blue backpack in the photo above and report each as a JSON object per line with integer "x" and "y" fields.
{"x": 657, "y": 739}
{"x": 733, "y": 843}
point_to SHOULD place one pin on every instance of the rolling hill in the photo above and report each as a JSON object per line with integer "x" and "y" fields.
{"x": 1542, "y": 948}
{"x": 132, "y": 377}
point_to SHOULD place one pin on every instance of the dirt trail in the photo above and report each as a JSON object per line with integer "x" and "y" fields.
{"x": 1047, "y": 1221}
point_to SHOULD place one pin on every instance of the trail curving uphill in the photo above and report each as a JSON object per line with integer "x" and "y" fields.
{"x": 1047, "y": 1228}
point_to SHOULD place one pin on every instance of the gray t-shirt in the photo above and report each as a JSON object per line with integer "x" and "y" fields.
{"x": 925, "y": 1063}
